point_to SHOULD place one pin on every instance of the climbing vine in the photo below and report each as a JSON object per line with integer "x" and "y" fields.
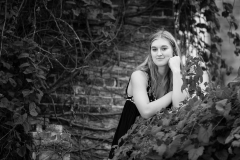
{"x": 47, "y": 43}
{"x": 44, "y": 45}
{"x": 199, "y": 129}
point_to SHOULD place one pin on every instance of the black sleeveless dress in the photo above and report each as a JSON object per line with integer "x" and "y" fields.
{"x": 128, "y": 117}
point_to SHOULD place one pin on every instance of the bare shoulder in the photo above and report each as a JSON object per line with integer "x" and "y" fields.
{"x": 139, "y": 77}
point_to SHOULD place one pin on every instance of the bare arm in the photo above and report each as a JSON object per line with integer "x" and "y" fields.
{"x": 139, "y": 82}
{"x": 177, "y": 95}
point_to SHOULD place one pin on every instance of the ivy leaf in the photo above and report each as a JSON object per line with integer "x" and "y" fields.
{"x": 221, "y": 154}
{"x": 186, "y": 144}
{"x": 110, "y": 15}
{"x": 181, "y": 124}
{"x": 23, "y": 55}
{"x": 221, "y": 139}
{"x": 18, "y": 43}
{"x": 71, "y": 2}
{"x": 166, "y": 122}
{"x": 199, "y": 71}
{"x": 201, "y": 25}
{"x": 228, "y": 7}
{"x": 231, "y": 135}
{"x": 40, "y": 95}
{"x": 26, "y": 92}
{"x": 230, "y": 34}
{"x": 236, "y": 143}
{"x": 189, "y": 147}
{"x": 238, "y": 95}
{"x": 220, "y": 105}
{"x": 93, "y": 14}
{"x": 193, "y": 153}
{"x": 160, "y": 149}
{"x": 24, "y": 65}
{"x": 12, "y": 81}
{"x": 223, "y": 108}
{"x": 155, "y": 129}
{"x": 29, "y": 80}
{"x": 21, "y": 151}
{"x": 32, "y": 109}
{"x": 26, "y": 126}
{"x": 109, "y": 2}
{"x": 41, "y": 76}
{"x": 160, "y": 135}
{"x": 6, "y": 65}
{"x": 236, "y": 81}
{"x": 225, "y": 14}
{"x": 152, "y": 155}
{"x": 76, "y": 12}
{"x": 28, "y": 70}
{"x": 19, "y": 119}
{"x": 172, "y": 148}
{"x": 4, "y": 103}
{"x": 204, "y": 135}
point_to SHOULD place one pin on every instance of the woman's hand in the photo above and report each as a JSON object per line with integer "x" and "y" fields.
{"x": 174, "y": 64}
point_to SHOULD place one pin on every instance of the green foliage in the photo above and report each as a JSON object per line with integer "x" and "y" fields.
{"x": 195, "y": 22}
{"x": 199, "y": 129}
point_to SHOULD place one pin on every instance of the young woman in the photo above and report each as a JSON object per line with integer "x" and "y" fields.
{"x": 154, "y": 85}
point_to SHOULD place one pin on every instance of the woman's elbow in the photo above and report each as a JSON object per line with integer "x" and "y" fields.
{"x": 145, "y": 114}
{"x": 175, "y": 105}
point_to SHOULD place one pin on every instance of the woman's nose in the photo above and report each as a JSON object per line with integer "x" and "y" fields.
{"x": 159, "y": 52}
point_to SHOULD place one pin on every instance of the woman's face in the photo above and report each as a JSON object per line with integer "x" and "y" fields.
{"x": 161, "y": 52}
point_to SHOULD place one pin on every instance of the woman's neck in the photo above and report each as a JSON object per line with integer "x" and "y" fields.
{"x": 162, "y": 70}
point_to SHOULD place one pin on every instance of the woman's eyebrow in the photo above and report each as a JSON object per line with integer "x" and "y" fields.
{"x": 159, "y": 46}
{"x": 164, "y": 46}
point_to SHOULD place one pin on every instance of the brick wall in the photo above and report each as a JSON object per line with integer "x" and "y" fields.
{"x": 89, "y": 107}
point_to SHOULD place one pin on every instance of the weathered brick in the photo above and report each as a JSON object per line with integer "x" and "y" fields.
{"x": 105, "y": 108}
{"x": 105, "y": 93}
{"x": 117, "y": 108}
{"x": 57, "y": 99}
{"x": 58, "y": 108}
{"x": 81, "y": 108}
{"x": 98, "y": 82}
{"x": 106, "y": 74}
{"x": 79, "y": 89}
{"x": 119, "y": 101}
{"x": 110, "y": 82}
{"x": 91, "y": 91}
{"x": 120, "y": 73}
{"x": 65, "y": 90}
{"x": 127, "y": 54}
{"x": 80, "y": 100}
{"x": 99, "y": 100}
{"x": 121, "y": 84}
{"x": 129, "y": 27}
{"x": 116, "y": 91}
{"x": 94, "y": 109}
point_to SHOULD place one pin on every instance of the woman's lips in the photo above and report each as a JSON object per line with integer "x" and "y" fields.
{"x": 160, "y": 58}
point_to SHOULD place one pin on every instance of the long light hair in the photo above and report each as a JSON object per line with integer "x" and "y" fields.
{"x": 151, "y": 68}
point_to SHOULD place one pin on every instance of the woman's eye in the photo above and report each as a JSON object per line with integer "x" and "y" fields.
{"x": 154, "y": 49}
{"x": 163, "y": 49}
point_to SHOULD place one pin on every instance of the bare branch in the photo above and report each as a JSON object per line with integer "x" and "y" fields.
{"x": 4, "y": 23}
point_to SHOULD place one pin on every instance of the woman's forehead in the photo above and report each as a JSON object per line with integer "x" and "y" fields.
{"x": 160, "y": 42}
